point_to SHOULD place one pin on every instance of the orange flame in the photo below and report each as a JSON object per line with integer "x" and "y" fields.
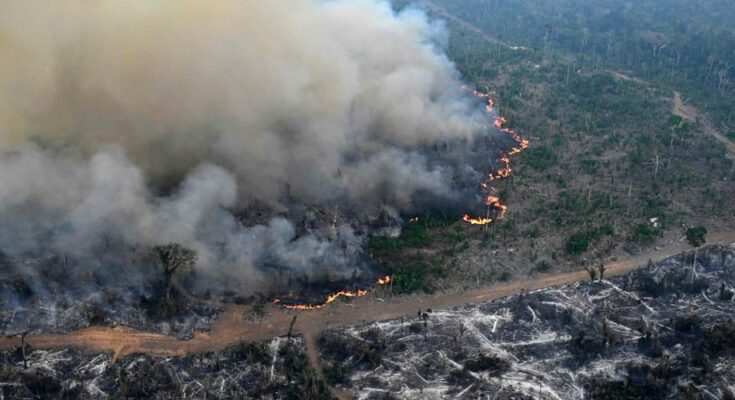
{"x": 504, "y": 170}
{"x": 476, "y": 221}
{"x": 332, "y": 297}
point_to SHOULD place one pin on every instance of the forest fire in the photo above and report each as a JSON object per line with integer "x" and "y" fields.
{"x": 476, "y": 221}
{"x": 332, "y": 297}
{"x": 503, "y": 171}
{"x": 492, "y": 202}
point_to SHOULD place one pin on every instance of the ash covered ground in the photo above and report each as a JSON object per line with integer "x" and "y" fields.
{"x": 277, "y": 369}
{"x": 40, "y": 295}
{"x": 665, "y": 331}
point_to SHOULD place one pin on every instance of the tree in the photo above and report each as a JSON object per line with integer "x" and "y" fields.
{"x": 602, "y": 269}
{"x": 290, "y": 326}
{"x": 696, "y": 236}
{"x": 592, "y": 271}
{"x": 171, "y": 258}
{"x": 259, "y": 307}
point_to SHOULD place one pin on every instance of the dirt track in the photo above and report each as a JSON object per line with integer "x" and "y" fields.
{"x": 691, "y": 114}
{"x": 232, "y": 327}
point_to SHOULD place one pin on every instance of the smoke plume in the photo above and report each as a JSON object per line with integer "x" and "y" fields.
{"x": 142, "y": 122}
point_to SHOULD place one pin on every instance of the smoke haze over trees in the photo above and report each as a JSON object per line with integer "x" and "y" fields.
{"x": 140, "y": 124}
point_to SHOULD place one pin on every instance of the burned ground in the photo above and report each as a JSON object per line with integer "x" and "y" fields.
{"x": 663, "y": 331}
{"x": 47, "y": 295}
{"x": 277, "y": 369}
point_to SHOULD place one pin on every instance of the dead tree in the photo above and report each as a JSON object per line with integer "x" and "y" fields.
{"x": 696, "y": 237}
{"x": 592, "y": 271}
{"x": 171, "y": 258}
{"x": 602, "y": 269}
{"x": 290, "y": 327}
{"x": 23, "y": 348}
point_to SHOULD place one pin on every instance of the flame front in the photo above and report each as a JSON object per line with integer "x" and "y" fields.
{"x": 476, "y": 221}
{"x": 332, "y": 297}
{"x": 492, "y": 201}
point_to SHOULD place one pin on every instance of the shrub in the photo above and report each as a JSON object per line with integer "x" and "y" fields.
{"x": 578, "y": 243}
{"x": 543, "y": 266}
{"x": 696, "y": 236}
{"x": 644, "y": 233}
{"x": 411, "y": 278}
{"x": 588, "y": 166}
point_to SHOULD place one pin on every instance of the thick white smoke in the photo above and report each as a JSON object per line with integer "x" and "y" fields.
{"x": 315, "y": 99}
{"x": 79, "y": 208}
{"x": 106, "y": 105}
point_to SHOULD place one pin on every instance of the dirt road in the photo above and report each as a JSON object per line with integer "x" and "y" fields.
{"x": 444, "y": 13}
{"x": 691, "y": 114}
{"x": 232, "y": 327}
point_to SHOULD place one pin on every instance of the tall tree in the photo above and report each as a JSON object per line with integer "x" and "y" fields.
{"x": 696, "y": 238}
{"x": 171, "y": 258}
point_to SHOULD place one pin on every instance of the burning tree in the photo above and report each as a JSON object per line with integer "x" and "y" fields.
{"x": 171, "y": 258}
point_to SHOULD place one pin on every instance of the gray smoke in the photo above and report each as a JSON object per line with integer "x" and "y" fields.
{"x": 78, "y": 207}
{"x": 143, "y": 122}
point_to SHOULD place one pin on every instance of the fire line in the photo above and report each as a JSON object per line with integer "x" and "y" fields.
{"x": 491, "y": 201}
{"x": 331, "y": 298}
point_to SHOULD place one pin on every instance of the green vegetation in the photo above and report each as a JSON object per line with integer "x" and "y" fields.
{"x": 406, "y": 258}
{"x": 544, "y": 266}
{"x": 412, "y": 235}
{"x": 645, "y": 233}
{"x": 539, "y": 157}
{"x": 410, "y": 279}
{"x": 579, "y": 242}
{"x": 591, "y": 84}
{"x": 696, "y": 236}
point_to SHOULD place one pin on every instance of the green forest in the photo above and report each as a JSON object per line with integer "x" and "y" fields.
{"x": 612, "y": 170}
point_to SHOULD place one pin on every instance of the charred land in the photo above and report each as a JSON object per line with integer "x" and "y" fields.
{"x": 664, "y": 331}
{"x": 165, "y": 163}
